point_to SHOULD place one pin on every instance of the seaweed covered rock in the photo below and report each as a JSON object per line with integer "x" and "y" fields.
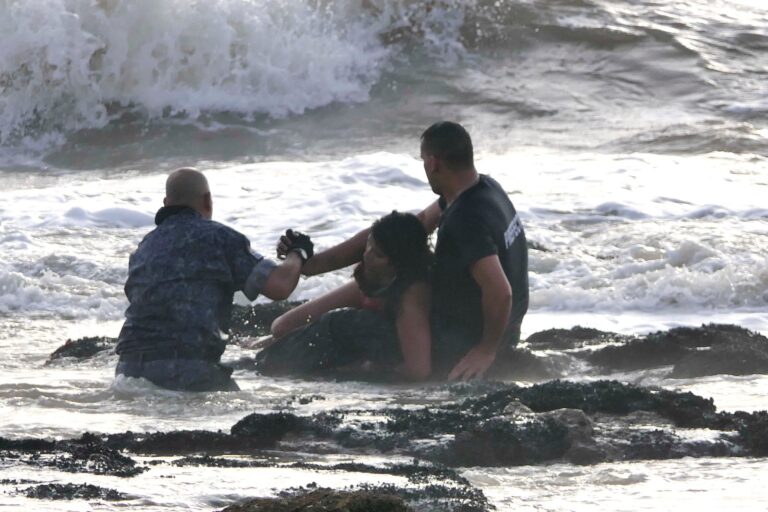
{"x": 73, "y": 492}
{"x": 89, "y": 454}
{"x": 574, "y": 338}
{"x": 83, "y": 348}
{"x": 182, "y": 442}
{"x": 752, "y": 429}
{"x": 521, "y": 364}
{"x": 694, "y": 351}
{"x": 325, "y": 500}
{"x": 737, "y": 352}
{"x": 500, "y": 442}
{"x": 685, "y": 409}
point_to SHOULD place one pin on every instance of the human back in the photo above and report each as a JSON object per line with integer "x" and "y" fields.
{"x": 480, "y": 278}
{"x": 481, "y": 222}
{"x": 181, "y": 282}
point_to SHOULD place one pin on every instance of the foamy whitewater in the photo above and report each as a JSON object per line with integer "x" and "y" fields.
{"x": 631, "y": 137}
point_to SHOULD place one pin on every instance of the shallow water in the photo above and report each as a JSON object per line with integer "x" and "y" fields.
{"x": 631, "y": 138}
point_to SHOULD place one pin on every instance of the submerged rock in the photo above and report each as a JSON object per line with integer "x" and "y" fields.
{"x": 326, "y": 500}
{"x": 522, "y": 364}
{"x": 574, "y": 338}
{"x": 73, "y": 492}
{"x": 89, "y": 454}
{"x": 737, "y": 352}
{"x": 437, "y": 496}
{"x": 694, "y": 351}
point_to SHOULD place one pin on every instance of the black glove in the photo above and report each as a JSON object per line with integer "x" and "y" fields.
{"x": 299, "y": 243}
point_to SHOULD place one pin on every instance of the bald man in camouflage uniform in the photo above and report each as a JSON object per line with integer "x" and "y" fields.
{"x": 181, "y": 281}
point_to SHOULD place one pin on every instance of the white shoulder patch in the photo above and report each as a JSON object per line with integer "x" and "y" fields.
{"x": 513, "y": 231}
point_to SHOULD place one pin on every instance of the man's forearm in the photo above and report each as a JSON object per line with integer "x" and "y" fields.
{"x": 284, "y": 278}
{"x": 497, "y": 308}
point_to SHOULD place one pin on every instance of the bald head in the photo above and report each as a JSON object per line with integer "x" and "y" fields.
{"x": 188, "y": 187}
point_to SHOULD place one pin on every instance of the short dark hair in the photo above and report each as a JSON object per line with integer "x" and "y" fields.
{"x": 449, "y": 142}
{"x": 403, "y": 239}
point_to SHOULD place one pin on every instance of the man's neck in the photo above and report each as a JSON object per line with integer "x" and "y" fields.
{"x": 461, "y": 182}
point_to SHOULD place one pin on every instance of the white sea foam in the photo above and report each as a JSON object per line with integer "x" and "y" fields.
{"x": 111, "y": 217}
{"x": 65, "y": 62}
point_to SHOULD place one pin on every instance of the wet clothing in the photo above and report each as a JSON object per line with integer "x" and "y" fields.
{"x": 180, "y": 374}
{"x": 181, "y": 281}
{"x": 341, "y": 343}
{"x": 481, "y": 222}
{"x": 347, "y": 343}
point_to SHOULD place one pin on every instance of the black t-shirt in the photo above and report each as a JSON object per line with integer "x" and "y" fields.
{"x": 481, "y": 222}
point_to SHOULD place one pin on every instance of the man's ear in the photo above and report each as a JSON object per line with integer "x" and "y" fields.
{"x": 165, "y": 201}
{"x": 208, "y": 203}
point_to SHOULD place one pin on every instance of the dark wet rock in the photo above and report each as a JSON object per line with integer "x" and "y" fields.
{"x": 521, "y": 364}
{"x": 751, "y": 428}
{"x": 27, "y": 445}
{"x": 499, "y": 442}
{"x": 268, "y": 428}
{"x": 433, "y": 497}
{"x": 12, "y": 481}
{"x": 573, "y": 338}
{"x": 577, "y": 423}
{"x": 219, "y": 462}
{"x": 585, "y": 454}
{"x": 735, "y": 351}
{"x": 85, "y": 455}
{"x": 183, "y": 442}
{"x": 662, "y": 445}
{"x": 83, "y": 348}
{"x": 307, "y": 399}
{"x": 73, "y": 492}
{"x": 326, "y": 500}
{"x": 754, "y": 434}
{"x": 482, "y": 424}
{"x": 685, "y": 409}
{"x": 639, "y": 354}
{"x": 694, "y": 351}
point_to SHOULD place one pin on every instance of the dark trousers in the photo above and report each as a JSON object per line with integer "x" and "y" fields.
{"x": 180, "y": 374}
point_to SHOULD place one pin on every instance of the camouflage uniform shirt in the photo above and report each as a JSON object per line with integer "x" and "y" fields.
{"x": 181, "y": 281}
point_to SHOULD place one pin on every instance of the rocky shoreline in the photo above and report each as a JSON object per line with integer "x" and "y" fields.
{"x": 487, "y": 424}
{"x": 490, "y": 424}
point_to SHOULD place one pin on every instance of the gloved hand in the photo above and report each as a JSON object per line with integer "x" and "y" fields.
{"x": 295, "y": 241}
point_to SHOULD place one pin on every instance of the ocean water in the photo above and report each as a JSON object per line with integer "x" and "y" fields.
{"x": 632, "y": 138}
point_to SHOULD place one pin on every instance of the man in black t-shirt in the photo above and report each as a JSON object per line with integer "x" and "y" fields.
{"x": 480, "y": 285}
{"x": 480, "y": 281}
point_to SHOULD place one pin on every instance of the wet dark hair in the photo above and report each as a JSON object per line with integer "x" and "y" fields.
{"x": 403, "y": 239}
{"x": 451, "y": 143}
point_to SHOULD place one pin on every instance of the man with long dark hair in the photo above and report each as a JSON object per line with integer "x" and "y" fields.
{"x": 480, "y": 283}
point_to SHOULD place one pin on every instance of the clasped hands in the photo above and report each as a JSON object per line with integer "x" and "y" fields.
{"x": 295, "y": 241}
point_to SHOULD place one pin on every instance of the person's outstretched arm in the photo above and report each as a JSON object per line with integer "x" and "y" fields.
{"x": 339, "y": 256}
{"x": 279, "y": 283}
{"x": 347, "y": 295}
{"x": 351, "y": 250}
{"x": 497, "y": 306}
